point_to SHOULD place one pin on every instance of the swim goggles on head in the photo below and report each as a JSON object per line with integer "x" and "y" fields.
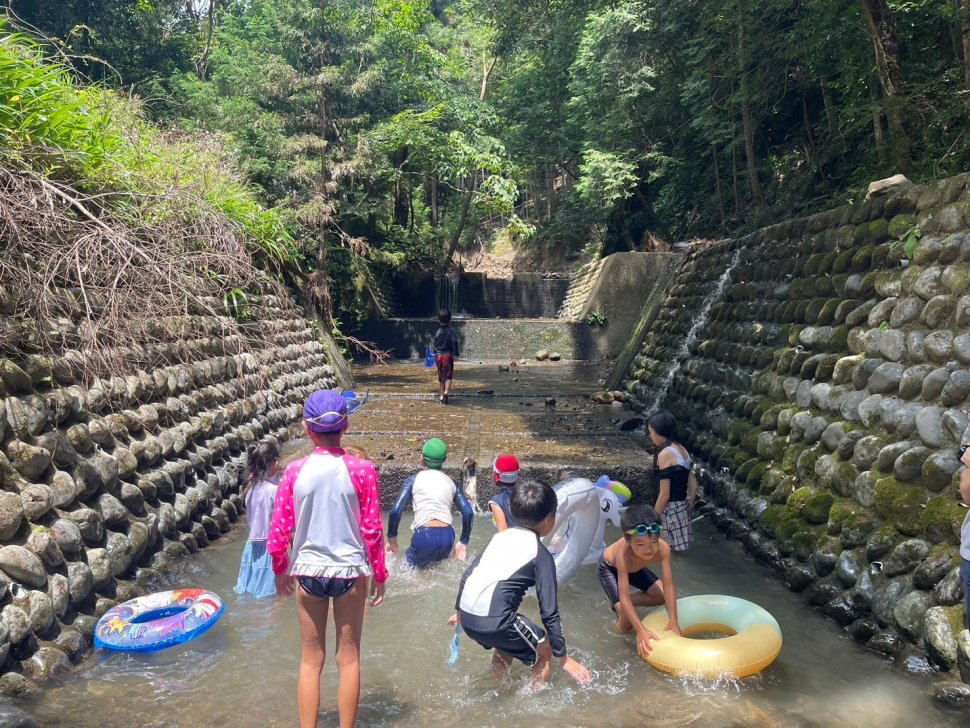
{"x": 963, "y": 450}
{"x": 643, "y": 529}
{"x": 321, "y": 419}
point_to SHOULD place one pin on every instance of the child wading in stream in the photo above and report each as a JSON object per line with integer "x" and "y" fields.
{"x": 677, "y": 484}
{"x": 445, "y": 346}
{"x": 256, "y": 569}
{"x": 328, "y": 503}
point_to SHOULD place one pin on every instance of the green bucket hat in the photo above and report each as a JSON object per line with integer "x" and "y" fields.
{"x": 434, "y": 453}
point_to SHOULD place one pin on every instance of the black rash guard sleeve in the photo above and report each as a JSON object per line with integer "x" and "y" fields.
{"x": 546, "y": 591}
{"x": 467, "y": 514}
{"x": 403, "y": 499}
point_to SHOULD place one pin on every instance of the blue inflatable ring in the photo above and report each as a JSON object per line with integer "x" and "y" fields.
{"x": 158, "y": 620}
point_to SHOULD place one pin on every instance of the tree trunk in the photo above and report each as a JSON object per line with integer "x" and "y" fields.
{"x": 881, "y": 22}
{"x": 809, "y": 140}
{"x": 399, "y": 159}
{"x": 734, "y": 181}
{"x": 717, "y": 186}
{"x": 748, "y": 124}
{"x": 831, "y": 112}
{"x": 202, "y": 65}
{"x": 965, "y": 26}
{"x": 462, "y": 220}
{"x": 434, "y": 200}
{"x": 877, "y": 133}
{"x": 487, "y": 67}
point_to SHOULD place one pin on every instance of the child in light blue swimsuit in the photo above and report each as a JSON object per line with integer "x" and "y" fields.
{"x": 256, "y": 576}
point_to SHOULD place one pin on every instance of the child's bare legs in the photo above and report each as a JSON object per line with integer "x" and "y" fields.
{"x": 348, "y": 613}
{"x": 348, "y": 618}
{"x": 312, "y": 612}
{"x": 653, "y": 597}
{"x": 543, "y": 666}
{"x": 500, "y": 664}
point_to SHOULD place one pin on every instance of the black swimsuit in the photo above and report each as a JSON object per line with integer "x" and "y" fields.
{"x": 642, "y": 580}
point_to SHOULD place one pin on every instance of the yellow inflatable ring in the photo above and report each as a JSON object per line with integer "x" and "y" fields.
{"x": 752, "y": 643}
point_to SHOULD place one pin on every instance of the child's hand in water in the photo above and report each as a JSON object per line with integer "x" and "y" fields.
{"x": 284, "y": 585}
{"x": 461, "y": 550}
{"x": 453, "y": 620}
{"x": 391, "y": 546}
{"x": 644, "y": 637}
{"x": 376, "y": 593}
{"x": 577, "y": 671}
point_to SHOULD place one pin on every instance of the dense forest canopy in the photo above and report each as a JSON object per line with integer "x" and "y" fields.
{"x": 392, "y": 133}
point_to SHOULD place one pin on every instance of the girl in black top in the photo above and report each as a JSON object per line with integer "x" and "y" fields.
{"x": 677, "y": 485}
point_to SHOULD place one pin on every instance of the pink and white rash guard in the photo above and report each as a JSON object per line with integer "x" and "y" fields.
{"x": 328, "y": 502}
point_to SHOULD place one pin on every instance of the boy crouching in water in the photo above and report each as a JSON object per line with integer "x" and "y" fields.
{"x": 624, "y": 565}
{"x": 492, "y": 588}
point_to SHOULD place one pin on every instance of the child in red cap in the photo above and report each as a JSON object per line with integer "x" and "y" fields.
{"x": 506, "y": 472}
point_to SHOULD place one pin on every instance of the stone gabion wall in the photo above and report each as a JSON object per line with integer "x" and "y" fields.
{"x": 105, "y": 484}
{"x": 581, "y": 285}
{"x": 826, "y": 394}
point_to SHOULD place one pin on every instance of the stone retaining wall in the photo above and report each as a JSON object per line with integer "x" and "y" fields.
{"x": 826, "y": 394}
{"x": 104, "y": 485}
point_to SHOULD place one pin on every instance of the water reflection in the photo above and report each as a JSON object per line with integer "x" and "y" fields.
{"x": 243, "y": 671}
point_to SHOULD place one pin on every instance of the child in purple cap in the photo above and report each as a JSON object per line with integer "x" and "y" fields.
{"x": 328, "y": 503}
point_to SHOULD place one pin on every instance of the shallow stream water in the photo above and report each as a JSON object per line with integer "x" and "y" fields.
{"x": 243, "y": 672}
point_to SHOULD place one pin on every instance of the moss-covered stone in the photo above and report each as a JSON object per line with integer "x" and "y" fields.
{"x": 955, "y": 616}
{"x": 900, "y": 504}
{"x": 750, "y": 440}
{"x": 900, "y": 225}
{"x": 826, "y": 314}
{"x": 737, "y": 430}
{"x": 839, "y": 340}
{"x": 795, "y": 329}
{"x": 813, "y": 310}
{"x": 755, "y": 475}
{"x": 805, "y": 466}
{"x": 792, "y": 454}
{"x": 878, "y": 230}
{"x": 823, "y": 286}
{"x": 843, "y": 261}
{"x": 741, "y": 474}
{"x": 862, "y": 260}
{"x": 804, "y": 544}
{"x": 771, "y": 518}
{"x": 941, "y": 520}
{"x": 816, "y": 507}
{"x": 813, "y": 264}
{"x": 838, "y": 283}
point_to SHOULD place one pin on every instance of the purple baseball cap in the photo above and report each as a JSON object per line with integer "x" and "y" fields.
{"x": 325, "y": 411}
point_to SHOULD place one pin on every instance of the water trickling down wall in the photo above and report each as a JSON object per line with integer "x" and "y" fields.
{"x": 820, "y": 375}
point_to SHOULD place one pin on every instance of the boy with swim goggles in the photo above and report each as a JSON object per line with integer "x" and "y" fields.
{"x": 625, "y": 564}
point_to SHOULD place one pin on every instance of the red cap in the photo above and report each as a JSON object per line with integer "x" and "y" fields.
{"x": 506, "y": 469}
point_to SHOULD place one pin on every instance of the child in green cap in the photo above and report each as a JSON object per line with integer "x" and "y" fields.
{"x": 433, "y": 493}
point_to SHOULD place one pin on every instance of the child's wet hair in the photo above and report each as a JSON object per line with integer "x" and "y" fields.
{"x": 664, "y": 424}
{"x": 261, "y": 455}
{"x": 532, "y": 502}
{"x": 638, "y": 513}
{"x": 444, "y": 316}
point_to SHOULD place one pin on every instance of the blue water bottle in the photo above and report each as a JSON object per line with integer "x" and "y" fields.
{"x": 429, "y": 357}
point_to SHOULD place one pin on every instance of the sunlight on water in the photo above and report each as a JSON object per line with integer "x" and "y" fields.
{"x": 243, "y": 672}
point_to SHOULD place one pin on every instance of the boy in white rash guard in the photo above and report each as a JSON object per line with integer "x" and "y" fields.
{"x": 492, "y": 588}
{"x": 433, "y": 493}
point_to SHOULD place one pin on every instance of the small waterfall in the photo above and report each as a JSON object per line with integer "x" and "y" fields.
{"x": 446, "y": 293}
{"x": 699, "y": 321}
